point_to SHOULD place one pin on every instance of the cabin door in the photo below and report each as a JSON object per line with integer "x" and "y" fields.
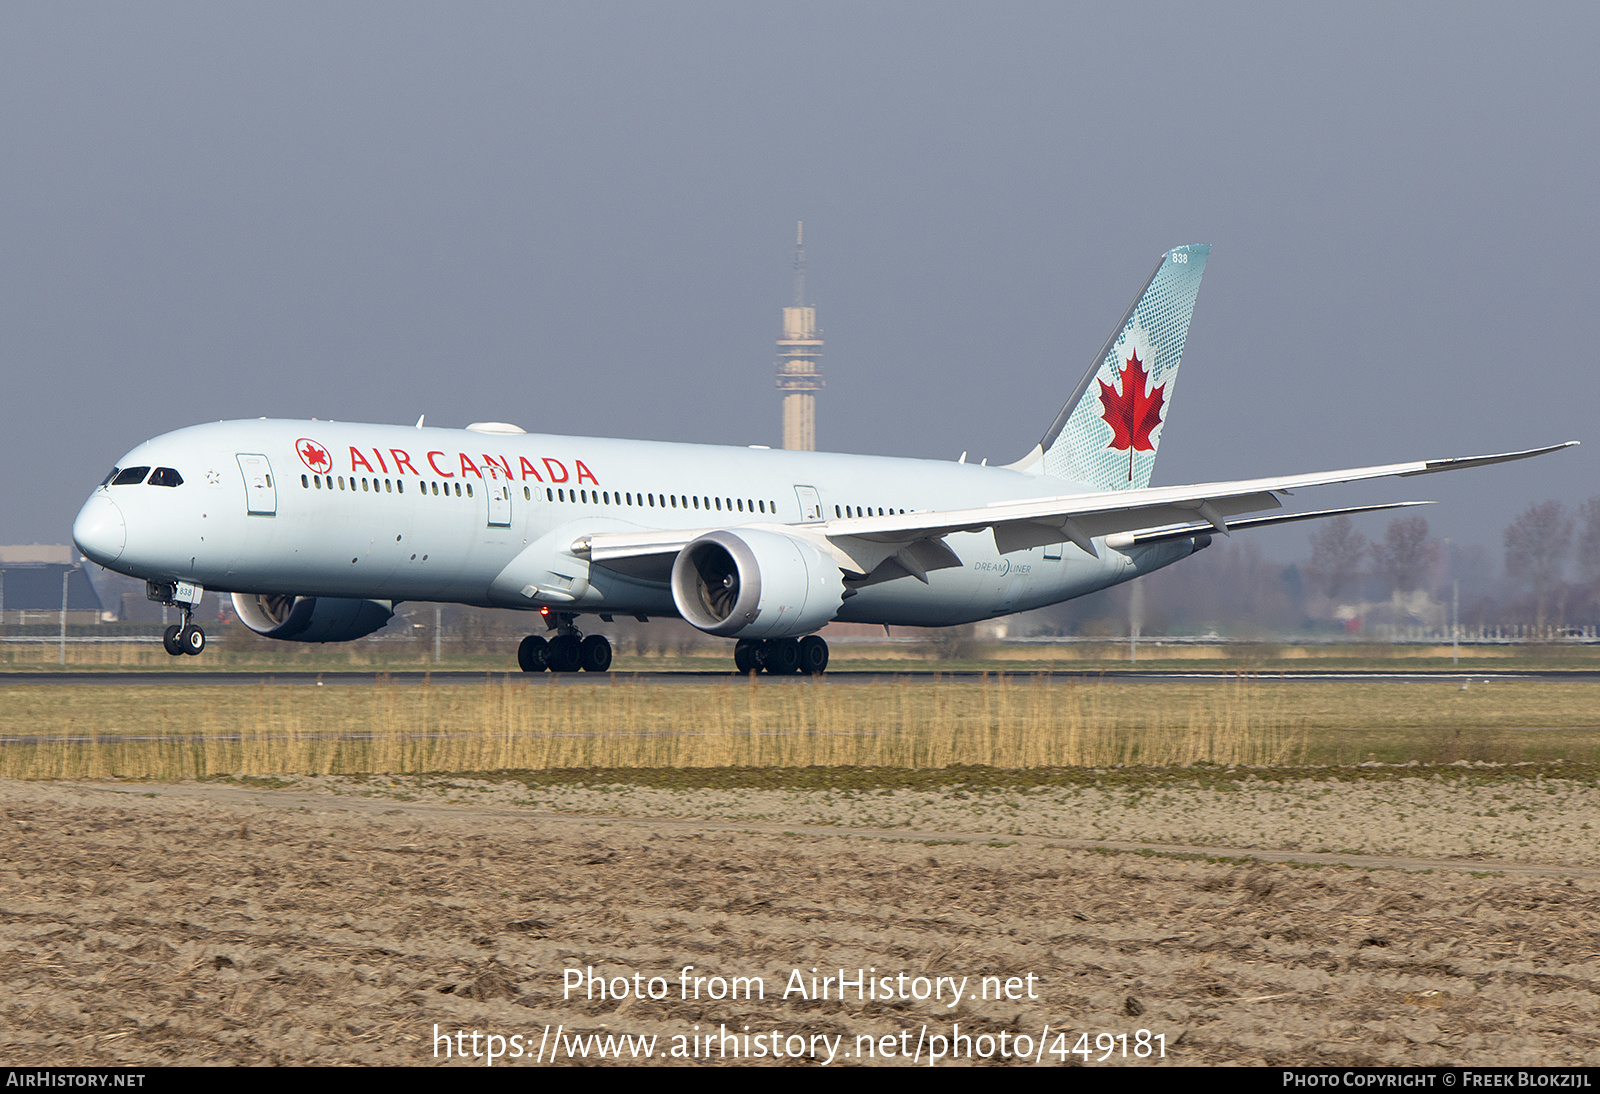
{"x": 260, "y": 495}
{"x": 499, "y": 504}
{"x": 810, "y": 504}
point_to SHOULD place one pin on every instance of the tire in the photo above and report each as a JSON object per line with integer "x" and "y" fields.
{"x": 566, "y": 653}
{"x": 170, "y": 640}
{"x": 533, "y": 655}
{"x": 594, "y": 655}
{"x": 747, "y": 656}
{"x": 782, "y": 657}
{"x": 813, "y": 655}
{"x": 193, "y": 640}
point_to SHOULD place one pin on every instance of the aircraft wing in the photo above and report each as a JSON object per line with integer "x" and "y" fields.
{"x": 916, "y": 539}
{"x": 1081, "y": 518}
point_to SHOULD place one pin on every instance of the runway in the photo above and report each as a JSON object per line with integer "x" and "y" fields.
{"x": 256, "y": 677}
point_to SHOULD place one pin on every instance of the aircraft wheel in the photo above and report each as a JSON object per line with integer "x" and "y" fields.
{"x": 595, "y": 654}
{"x": 192, "y": 639}
{"x": 782, "y": 657}
{"x": 747, "y": 656}
{"x": 813, "y": 655}
{"x": 170, "y": 640}
{"x": 533, "y": 655}
{"x": 566, "y": 653}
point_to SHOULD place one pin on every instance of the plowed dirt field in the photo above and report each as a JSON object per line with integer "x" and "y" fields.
{"x": 325, "y": 922}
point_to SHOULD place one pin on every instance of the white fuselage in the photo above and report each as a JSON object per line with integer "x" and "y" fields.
{"x": 392, "y": 513}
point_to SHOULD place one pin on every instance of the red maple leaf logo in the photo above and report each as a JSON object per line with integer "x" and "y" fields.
{"x": 1132, "y": 414}
{"x": 313, "y": 455}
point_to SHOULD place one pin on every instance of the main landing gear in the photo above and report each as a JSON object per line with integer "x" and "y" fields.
{"x": 566, "y": 651}
{"x": 781, "y": 656}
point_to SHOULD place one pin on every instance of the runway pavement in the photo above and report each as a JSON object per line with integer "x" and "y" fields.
{"x": 253, "y": 677}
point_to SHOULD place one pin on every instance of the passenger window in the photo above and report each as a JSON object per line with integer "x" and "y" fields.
{"x": 131, "y": 477}
{"x": 305, "y": 484}
{"x": 318, "y": 480}
{"x": 469, "y": 490}
{"x": 166, "y": 476}
{"x": 549, "y": 494}
{"x": 527, "y": 495}
{"x": 388, "y": 485}
{"x": 400, "y": 486}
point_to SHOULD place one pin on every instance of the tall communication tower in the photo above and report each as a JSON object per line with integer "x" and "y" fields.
{"x": 799, "y": 376}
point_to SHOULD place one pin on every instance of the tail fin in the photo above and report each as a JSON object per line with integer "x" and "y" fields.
{"x": 1108, "y": 432}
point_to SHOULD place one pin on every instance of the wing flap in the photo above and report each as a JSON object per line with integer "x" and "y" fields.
{"x": 1186, "y": 531}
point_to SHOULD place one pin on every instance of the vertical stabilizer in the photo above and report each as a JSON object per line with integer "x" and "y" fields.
{"x": 1108, "y": 432}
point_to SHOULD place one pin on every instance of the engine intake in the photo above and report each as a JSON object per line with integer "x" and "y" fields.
{"x": 755, "y": 584}
{"x": 292, "y": 618}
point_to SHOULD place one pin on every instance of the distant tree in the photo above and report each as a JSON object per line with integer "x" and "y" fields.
{"x": 1405, "y": 555}
{"x": 1337, "y": 552}
{"x": 1589, "y": 546}
{"x": 1538, "y": 544}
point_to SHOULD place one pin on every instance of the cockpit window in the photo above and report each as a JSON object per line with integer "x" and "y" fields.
{"x": 166, "y": 476}
{"x": 109, "y": 476}
{"x": 130, "y": 476}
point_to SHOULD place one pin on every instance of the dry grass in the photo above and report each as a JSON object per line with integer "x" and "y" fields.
{"x": 193, "y": 733}
{"x": 1005, "y": 723}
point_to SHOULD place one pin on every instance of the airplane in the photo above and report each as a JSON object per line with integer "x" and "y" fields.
{"x": 319, "y": 529}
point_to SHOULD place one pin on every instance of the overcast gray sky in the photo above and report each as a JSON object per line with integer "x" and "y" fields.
{"x": 579, "y": 217}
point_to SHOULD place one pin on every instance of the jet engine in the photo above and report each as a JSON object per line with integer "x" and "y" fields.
{"x": 311, "y": 618}
{"x": 747, "y": 583}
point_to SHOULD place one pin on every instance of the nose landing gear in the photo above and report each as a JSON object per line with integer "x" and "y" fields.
{"x": 185, "y": 637}
{"x": 781, "y": 656}
{"x": 567, "y": 651}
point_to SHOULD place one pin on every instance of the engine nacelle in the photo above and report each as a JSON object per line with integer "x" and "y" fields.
{"x": 311, "y": 618}
{"x": 746, "y": 583}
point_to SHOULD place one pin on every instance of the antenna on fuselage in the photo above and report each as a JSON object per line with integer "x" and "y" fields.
{"x": 419, "y": 420}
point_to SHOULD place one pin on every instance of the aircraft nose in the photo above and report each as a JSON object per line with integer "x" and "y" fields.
{"x": 100, "y": 532}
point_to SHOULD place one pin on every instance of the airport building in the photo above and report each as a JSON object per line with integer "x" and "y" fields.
{"x": 799, "y": 374}
{"x": 39, "y": 581}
